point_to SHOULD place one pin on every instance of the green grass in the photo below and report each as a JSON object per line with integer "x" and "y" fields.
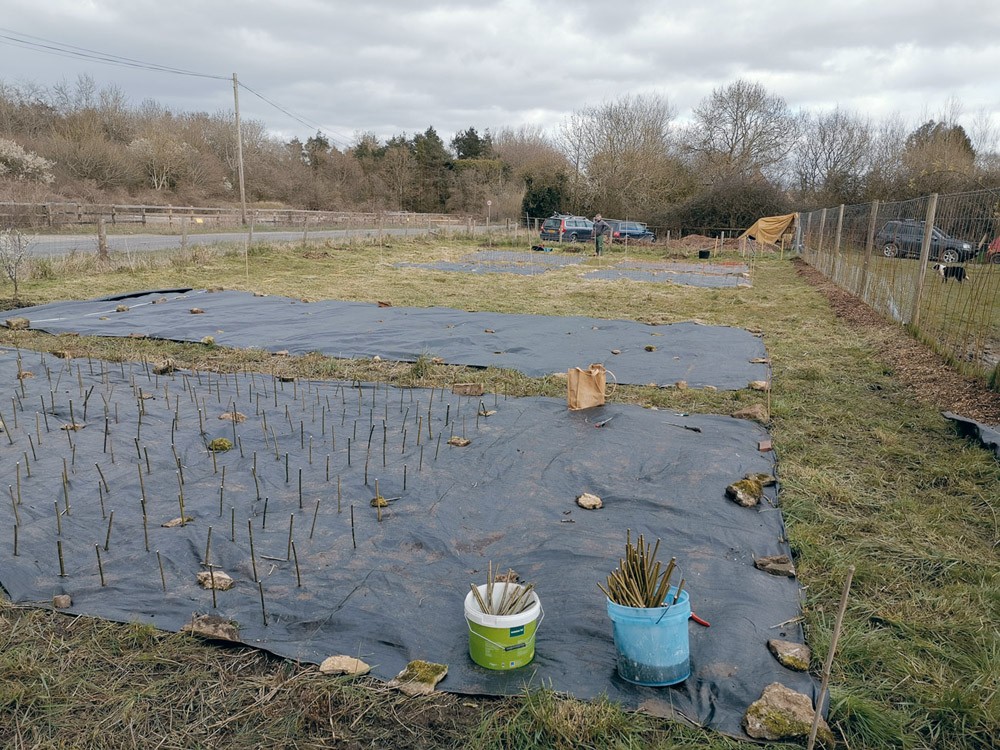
{"x": 871, "y": 477}
{"x": 959, "y": 320}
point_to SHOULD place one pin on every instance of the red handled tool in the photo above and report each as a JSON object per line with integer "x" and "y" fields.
{"x": 699, "y": 620}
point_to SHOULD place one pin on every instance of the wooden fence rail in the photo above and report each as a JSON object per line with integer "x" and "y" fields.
{"x": 55, "y": 215}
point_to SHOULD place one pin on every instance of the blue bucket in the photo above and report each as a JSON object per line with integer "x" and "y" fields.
{"x": 652, "y": 643}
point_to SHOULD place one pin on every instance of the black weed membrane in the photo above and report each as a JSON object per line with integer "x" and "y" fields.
{"x": 501, "y": 261}
{"x": 689, "y": 274}
{"x": 123, "y": 485}
{"x": 988, "y": 436}
{"x": 536, "y": 345}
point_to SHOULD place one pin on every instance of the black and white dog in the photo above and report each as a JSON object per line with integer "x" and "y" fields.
{"x": 950, "y": 272}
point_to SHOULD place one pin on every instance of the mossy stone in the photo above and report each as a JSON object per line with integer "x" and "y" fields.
{"x": 220, "y": 445}
{"x": 747, "y": 492}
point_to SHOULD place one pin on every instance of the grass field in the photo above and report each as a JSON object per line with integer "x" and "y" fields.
{"x": 871, "y": 477}
{"x": 959, "y": 320}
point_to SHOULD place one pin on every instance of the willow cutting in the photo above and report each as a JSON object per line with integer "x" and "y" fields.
{"x": 513, "y": 599}
{"x": 640, "y": 581}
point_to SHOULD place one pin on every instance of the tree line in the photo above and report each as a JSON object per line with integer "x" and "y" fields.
{"x": 743, "y": 153}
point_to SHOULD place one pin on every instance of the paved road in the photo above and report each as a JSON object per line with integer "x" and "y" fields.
{"x": 51, "y": 245}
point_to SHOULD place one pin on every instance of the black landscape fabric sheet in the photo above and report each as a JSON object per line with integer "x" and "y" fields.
{"x": 297, "y": 485}
{"x": 521, "y": 269}
{"x": 669, "y": 277}
{"x": 705, "y": 269}
{"x": 513, "y": 256}
{"x": 537, "y": 345}
{"x": 988, "y": 436}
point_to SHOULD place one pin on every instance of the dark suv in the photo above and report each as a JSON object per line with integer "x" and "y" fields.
{"x": 635, "y": 231}
{"x": 904, "y": 238}
{"x": 567, "y": 228}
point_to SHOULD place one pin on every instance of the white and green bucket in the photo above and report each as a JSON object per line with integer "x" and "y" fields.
{"x": 502, "y": 641}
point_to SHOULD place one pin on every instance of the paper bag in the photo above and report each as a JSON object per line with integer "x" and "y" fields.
{"x": 585, "y": 388}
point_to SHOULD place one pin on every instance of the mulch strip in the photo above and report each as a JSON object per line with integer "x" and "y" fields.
{"x": 933, "y": 380}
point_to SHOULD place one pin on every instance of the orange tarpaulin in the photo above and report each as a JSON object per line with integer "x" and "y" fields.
{"x": 769, "y": 228}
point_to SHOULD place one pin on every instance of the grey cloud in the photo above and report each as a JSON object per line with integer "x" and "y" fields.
{"x": 397, "y": 66}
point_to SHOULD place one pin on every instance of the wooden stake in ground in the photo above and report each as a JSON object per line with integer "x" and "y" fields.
{"x": 263, "y": 611}
{"x": 100, "y": 567}
{"x": 312, "y": 528}
{"x": 298, "y": 574}
{"x": 829, "y": 658}
{"x": 17, "y": 517}
{"x": 107, "y": 538}
{"x": 253, "y": 558}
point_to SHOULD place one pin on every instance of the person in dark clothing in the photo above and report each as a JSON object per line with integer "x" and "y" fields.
{"x": 601, "y": 230}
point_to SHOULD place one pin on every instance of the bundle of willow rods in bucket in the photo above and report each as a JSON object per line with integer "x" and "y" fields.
{"x": 513, "y": 599}
{"x": 638, "y": 581}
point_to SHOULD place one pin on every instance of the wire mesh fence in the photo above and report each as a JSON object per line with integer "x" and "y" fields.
{"x": 942, "y": 284}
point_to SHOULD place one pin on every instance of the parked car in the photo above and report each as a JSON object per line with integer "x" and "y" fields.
{"x": 567, "y": 228}
{"x": 633, "y": 231}
{"x": 993, "y": 252}
{"x": 904, "y": 238}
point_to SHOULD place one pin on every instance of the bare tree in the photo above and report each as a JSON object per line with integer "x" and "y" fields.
{"x": 623, "y": 149}
{"x": 399, "y": 172}
{"x": 832, "y": 157}
{"x": 885, "y": 169}
{"x": 526, "y": 149}
{"x": 742, "y": 130}
{"x": 14, "y": 253}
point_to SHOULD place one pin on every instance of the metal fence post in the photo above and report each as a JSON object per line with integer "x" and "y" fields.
{"x": 925, "y": 251}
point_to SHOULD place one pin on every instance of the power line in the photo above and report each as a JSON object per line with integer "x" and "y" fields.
{"x": 343, "y": 143}
{"x": 48, "y": 46}
{"x": 60, "y": 49}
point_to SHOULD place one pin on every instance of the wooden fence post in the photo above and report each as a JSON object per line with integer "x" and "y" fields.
{"x": 869, "y": 246}
{"x": 809, "y": 224}
{"x": 925, "y": 251}
{"x": 836, "y": 242}
{"x": 102, "y": 239}
{"x": 822, "y": 226}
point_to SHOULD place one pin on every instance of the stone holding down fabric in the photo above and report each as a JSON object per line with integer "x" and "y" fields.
{"x": 536, "y": 345}
{"x": 303, "y": 469}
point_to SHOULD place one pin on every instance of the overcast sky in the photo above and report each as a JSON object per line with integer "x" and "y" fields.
{"x": 398, "y": 66}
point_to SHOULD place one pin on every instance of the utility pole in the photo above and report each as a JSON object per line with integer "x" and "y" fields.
{"x": 239, "y": 152}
